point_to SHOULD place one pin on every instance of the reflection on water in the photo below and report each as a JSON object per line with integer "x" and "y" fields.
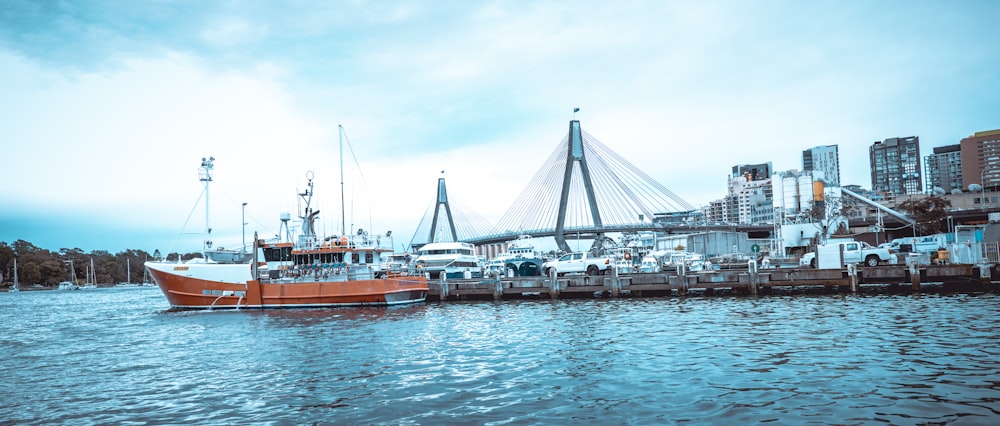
{"x": 118, "y": 356}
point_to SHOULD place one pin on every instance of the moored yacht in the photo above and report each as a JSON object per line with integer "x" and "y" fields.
{"x": 453, "y": 259}
{"x": 520, "y": 260}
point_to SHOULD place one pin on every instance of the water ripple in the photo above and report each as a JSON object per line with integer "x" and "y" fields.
{"x": 117, "y": 356}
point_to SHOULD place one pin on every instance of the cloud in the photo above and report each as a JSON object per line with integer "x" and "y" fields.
{"x": 109, "y": 109}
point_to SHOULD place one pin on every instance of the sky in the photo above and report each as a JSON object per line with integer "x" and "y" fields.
{"x": 108, "y": 107}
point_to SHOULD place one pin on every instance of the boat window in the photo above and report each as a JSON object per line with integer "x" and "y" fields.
{"x": 277, "y": 254}
{"x": 369, "y": 258}
{"x": 355, "y": 258}
{"x": 272, "y": 254}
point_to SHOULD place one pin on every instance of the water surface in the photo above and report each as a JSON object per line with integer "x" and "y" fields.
{"x": 118, "y": 356}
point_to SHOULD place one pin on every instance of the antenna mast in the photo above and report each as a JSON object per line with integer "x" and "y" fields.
{"x": 205, "y": 175}
{"x": 343, "y": 218}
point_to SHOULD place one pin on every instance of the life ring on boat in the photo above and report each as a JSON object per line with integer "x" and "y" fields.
{"x": 628, "y": 256}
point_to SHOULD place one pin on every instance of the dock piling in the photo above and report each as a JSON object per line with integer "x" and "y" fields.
{"x": 553, "y": 284}
{"x": 498, "y": 289}
{"x": 443, "y": 282}
{"x": 852, "y": 275}
{"x": 984, "y": 276}
{"x": 616, "y": 284}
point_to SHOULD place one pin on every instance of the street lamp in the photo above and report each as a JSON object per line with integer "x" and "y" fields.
{"x": 244, "y": 227}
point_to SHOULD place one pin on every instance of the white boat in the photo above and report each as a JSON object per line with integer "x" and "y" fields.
{"x": 397, "y": 263}
{"x": 520, "y": 260}
{"x": 649, "y": 264}
{"x": 691, "y": 262}
{"x": 91, "y": 281}
{"x": 453, "y": 259}
{"x": 66, "y": 285}
{"x": 71, "y": 284}
{"x": 625, "y": 258}
{"x": 128, "y": 276}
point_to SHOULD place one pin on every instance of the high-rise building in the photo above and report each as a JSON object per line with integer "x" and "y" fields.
{"x": 823, "y": 159}
{"x": 749, "y": 201}
{"x": 895, "y": 164}
{"x": 943, "y": 169}
{"x": 752, "y": 172}
{"x": 981, "y": 159}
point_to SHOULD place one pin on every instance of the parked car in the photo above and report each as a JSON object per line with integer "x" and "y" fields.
{"x": 829, "y": 255}
{"x": 577, "y": 262}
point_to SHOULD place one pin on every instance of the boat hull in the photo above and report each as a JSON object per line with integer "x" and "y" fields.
{"x": 194, "y": 292}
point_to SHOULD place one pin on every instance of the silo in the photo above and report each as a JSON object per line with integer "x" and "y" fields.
{"x": 778, "y": 200}
{"x": 805, "y": 184}
{"x": 791, "y": 194}
{"x": 819, "y": 202}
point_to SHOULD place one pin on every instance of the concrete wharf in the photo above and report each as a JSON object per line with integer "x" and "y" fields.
{"x": 744, "y": 281}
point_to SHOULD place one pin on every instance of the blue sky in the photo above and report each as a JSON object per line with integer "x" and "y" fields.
{"x": 107, "y": 107}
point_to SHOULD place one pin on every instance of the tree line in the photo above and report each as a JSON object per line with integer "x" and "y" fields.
{"x": 36, "y": 265}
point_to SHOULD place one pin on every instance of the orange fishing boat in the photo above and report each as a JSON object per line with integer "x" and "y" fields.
{"x": 312, "y": 272}
{"x": 290, "y": 277}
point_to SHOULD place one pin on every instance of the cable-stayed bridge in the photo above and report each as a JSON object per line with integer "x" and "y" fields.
{"x": 582, "y": 191}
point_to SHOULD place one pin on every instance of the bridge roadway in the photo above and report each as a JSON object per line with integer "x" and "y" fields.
{"x": 591, "y": 232}
{"x": 964, "y": 216}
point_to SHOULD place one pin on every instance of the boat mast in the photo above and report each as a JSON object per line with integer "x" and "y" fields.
{"x": 205, "y": 175}
{"x": 343, "y": 215}
{"x": 72, "y": 272}
{"x": 16, "y": 286}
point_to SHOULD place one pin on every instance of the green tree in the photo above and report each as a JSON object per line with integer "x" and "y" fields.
{"x": 40, "y": 266}
{"x": 929, "y": 212}
{"x": 29, "y": 273}
{"x": 7, "y": 262}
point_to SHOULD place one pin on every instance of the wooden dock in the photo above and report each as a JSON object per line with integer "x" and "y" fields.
{"x": 745, "y": 281}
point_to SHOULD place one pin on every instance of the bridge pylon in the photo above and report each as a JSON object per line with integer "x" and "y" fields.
{"x": 574, "y": 157}
{"x": 442, "y": 204}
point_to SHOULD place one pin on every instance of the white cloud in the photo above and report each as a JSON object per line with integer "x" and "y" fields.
{"x": 232, "y": 31}
{"x": 484, "y": 92}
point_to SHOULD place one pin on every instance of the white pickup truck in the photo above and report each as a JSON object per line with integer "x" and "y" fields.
{"x": 577, "y": 262}
{"x": 836, "y": 255}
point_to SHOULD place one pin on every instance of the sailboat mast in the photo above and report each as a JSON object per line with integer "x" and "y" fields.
{"x": 16, "y": 286}
{"x": 343, "y": 215}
